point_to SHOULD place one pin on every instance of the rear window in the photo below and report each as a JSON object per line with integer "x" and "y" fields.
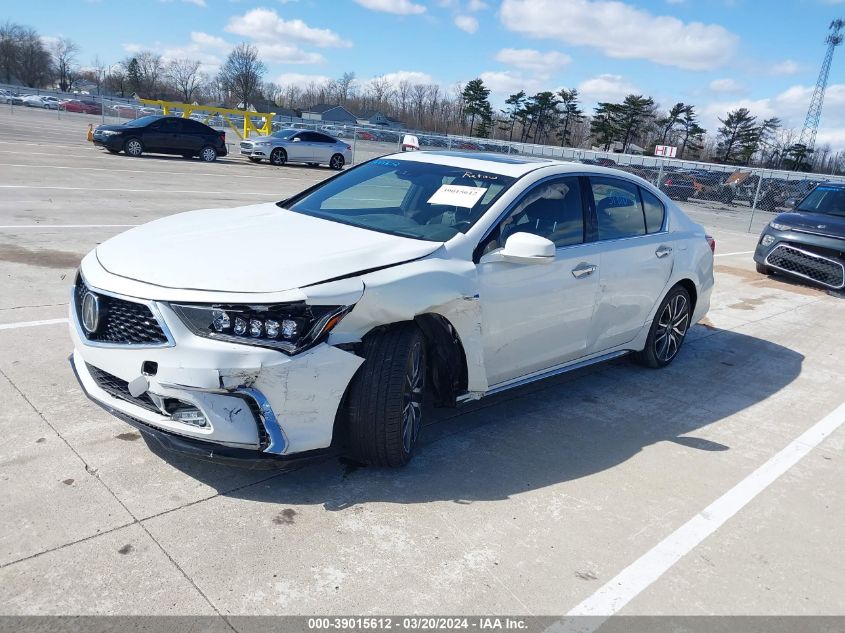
{"x": 408, "y": 198}
{"x": 825, "y": 199}
{"x": 654, "y": 211}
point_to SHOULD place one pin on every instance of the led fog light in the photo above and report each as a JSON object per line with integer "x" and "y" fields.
{"x": 191, "y": 416}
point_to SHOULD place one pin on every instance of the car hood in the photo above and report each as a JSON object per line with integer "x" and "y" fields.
{"x": 104, "y": 128}
{"x": 260, "y": 248}
{"x": 820, "y": 223}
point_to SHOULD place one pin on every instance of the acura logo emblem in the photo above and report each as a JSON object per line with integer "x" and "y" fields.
{"x": 90, "y": 312}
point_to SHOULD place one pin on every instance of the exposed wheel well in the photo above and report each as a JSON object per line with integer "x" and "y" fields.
{"x": 446, "y": 358}
{"x": 689, "y": 286}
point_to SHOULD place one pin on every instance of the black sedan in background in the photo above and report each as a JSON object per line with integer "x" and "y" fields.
{"x": 809, "y": 241}
{"x": 162, "y": 135}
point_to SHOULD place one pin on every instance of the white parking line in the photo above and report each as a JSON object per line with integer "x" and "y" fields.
{"x": 65, "y": 226}
{"x": 166, "y": 191}
{"x": 731, "y": 254}
{"x": 149, "y": 171}
{"x": 20, "y": 324}
{"x": 638, "y": 576}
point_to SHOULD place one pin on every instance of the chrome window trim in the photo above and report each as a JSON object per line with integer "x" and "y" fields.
{"x": 809, "y": 254}
{"x": 152, "y": 305}
{"x": 664, "y": 229}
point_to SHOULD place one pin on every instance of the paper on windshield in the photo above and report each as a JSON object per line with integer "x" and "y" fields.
{"x": 458, "y": 195}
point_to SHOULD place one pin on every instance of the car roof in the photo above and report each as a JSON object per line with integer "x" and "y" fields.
{"x": 505, "y": 164}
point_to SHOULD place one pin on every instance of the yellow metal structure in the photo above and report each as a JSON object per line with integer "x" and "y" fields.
{"x": 209, "y": 111}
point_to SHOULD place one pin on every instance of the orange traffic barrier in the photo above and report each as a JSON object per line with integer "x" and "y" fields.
{"x": 90, "y": 133}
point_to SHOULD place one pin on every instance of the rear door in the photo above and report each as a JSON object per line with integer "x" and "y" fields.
{"x": 161, "y": 136}
{"x": 323, "y": 148}
{"x": 636, "y": 259}
{"x": 192, "y": 138}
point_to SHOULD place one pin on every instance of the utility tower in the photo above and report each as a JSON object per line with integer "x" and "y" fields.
{"x": 814, "y": 114}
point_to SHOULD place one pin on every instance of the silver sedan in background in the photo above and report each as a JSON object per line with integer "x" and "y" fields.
{"x": 298, "y": 146}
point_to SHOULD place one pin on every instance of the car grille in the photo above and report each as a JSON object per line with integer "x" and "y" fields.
{"x": 121, "y": 322}
{"x": 118, "y": 388}
{"x": 818, "y": 268}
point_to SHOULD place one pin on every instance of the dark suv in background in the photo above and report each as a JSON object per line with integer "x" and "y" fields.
{"x": 162, "y": 135}
{"x": 808, "y": 242}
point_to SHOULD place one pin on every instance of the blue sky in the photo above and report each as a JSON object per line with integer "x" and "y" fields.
{"x": 713, "y": 53}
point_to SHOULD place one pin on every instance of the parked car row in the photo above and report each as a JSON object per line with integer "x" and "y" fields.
{"x": 162, "y": 135}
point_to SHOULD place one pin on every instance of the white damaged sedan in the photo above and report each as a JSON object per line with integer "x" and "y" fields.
{"x": 331, "y": 318}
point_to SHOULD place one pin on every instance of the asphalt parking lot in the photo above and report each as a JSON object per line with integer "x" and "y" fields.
{"x": 573, "y": 495}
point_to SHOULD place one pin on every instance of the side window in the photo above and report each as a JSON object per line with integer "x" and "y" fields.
{"x": 193, "y": 127}
{"x": 654, "y": 211}
{"x": 618, "y": 209}
{"x": 552, "y": 210}
{"x": 307, "y": 137}
{"x": 170, "y": 125}
{"x": 322, "y": 138}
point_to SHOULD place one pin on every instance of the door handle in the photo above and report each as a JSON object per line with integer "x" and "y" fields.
{"x": 583, "y": 270}
{"x": 663, "y": 251}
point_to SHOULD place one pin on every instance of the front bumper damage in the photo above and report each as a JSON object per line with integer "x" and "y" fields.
{"x": 255, "y": 403}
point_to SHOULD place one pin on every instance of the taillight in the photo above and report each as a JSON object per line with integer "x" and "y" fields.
{"x": 349, "y": 147}
{"x": 712, "y": 242}
{"x": 223, "y": 137}
{"x": 668, "y": 181}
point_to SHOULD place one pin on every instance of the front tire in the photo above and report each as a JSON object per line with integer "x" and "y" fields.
{"x": 278, "y": 157}
{"x": 386, "y": 397}
{"x": 133, "y": 147}
{"x": 337, "y": 162}
{"x": 668, "y": 330}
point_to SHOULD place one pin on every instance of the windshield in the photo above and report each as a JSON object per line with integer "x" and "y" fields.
{"x": 408, "y": 198}
{"x": 284, "y": 133}
{"x": 827, "y": 200}
{"x": 144, "y": 120}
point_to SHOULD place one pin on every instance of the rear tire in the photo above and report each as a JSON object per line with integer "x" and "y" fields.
{"x": 668, "y": 330}
{"x": 762, "y": 269}
{"x": 208, "y": 154}
{"x": 385, "y": 397}
{"x": 337, "y": 162}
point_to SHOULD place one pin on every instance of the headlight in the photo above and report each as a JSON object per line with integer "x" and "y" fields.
{"x": 289, "y": 327}
{"x": 767, "y": 240}
{"x": 109, "y": 132}
{"x": 780, "y": 227}
{"x": 262, "y": 143}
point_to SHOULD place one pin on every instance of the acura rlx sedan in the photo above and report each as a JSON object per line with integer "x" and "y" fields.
{"x": 808, "y": 242}
{"x": 328, "y": 319}
{"x": 298, "y": 146}
{"x": 162, "y": 135}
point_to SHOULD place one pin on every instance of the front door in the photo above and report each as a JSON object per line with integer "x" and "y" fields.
{"x": 537, "y": 316}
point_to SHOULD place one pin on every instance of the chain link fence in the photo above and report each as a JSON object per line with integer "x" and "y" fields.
{"x": 744, "y": 197}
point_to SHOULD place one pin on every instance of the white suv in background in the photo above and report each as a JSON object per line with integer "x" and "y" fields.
{"x": 330, "y": 318}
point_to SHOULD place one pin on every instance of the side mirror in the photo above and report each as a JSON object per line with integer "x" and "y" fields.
{"x": 525, "y": 248}
{"x": 296, "y": 139}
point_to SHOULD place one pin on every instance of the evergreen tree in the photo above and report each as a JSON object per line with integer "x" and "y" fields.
{"x": 739, "y": 129}
{"x": 475, "y": 97}
{"x": 570, "y": 115}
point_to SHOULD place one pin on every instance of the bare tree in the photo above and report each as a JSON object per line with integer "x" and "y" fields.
{"x": 344, "y": 86}
{"x": 151, "y": 69}
{"x": 64, "y": 53}
{"x": 380, "y": 88}
{"x": 403, "y": 93}
{"x": 10, "y": 43}
{"x": 185, "y": 78}
{"x": 242, "y": 73}
{"x": 419, "y": 94}
{"x": 34, "y": 63}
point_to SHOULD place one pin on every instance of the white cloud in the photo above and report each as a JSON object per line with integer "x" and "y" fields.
{"x": 606, "y": 87}
{"x": 301, "y": 80}
{"x": 399, "y": 7}
{"x": 504, "y": 83}
{"x": 622, "y": 31}
{"x": 266, "y": 25}
{"x": 786, "y": 67}
{"x": 279, "y": 52}
{"x": 411, "y": 76}
{"x": 726, "y": 86}
{"x": 466, "y": 23}
{"x": 209, "y": 41}
{"x": 476, "y": 5}
{"x": 530, "y": 59}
